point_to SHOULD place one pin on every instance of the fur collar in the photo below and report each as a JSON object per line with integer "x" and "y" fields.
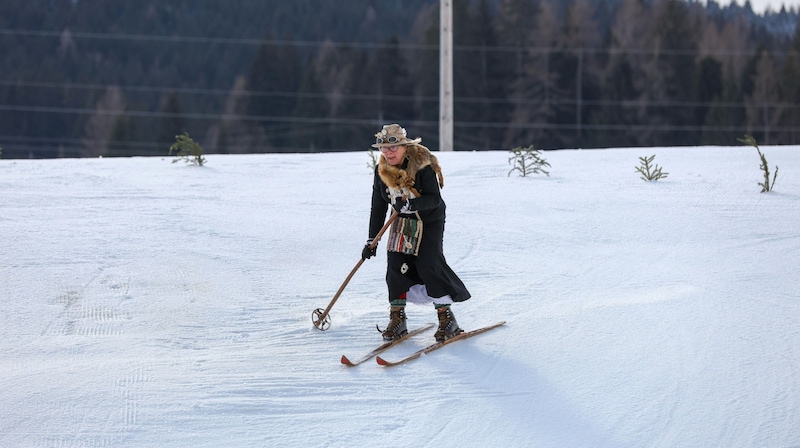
{"x": 400, "y": 180}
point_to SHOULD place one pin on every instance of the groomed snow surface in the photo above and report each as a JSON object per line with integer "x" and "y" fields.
{"x": 153, "y": 304}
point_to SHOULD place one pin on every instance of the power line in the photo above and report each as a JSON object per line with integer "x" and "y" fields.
{"x": 206, "y": 40}
{"x": 188, "y": 115}
{"x": 553, "y": 99}
{"x": 210, "y": 92}
{"x": 79, "y": 144}
{"x": 362, "y": 45}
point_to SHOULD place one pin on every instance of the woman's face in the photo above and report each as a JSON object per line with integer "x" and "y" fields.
{"x": 394, "y": 154}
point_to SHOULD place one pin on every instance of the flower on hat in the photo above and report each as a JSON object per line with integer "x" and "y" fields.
{"x": 392, "y": 135}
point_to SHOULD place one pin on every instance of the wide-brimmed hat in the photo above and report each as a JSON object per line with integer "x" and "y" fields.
{"x": 392, "y": 135}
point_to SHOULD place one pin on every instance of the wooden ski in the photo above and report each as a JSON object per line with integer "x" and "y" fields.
{"x": 385, "y": 346}
{"x": 437, "y": 345}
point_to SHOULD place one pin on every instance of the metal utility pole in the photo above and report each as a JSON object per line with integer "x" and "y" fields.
{"x": 446, "y": 76}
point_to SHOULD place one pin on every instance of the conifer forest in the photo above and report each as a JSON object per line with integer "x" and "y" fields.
{"x": 90, "y": 78}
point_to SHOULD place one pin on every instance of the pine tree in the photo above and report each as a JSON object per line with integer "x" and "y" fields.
{"x": 514, "y": 30}
{"x": 99, "y": 126}
{"x": 579, "y": 72}
{"x": 187, "y": 150}
{"x": 762, "y": 115}
{"x": 615, "y": 120}
{"x": 527, "y": 161}
{"x": 391, "y": 82}
{"x": 514, "y": 26}
{"x": 708, "y": 86}
{"x": 674, "y": 42}
{"x": 121, "y": 139}
{"x": 310, "y": 104}
{"x": 726, "y": 115}
{"x": 343, "y": 71}
{"x": 467, "y": 76}
{"x": 272, "y": 80}
{"x": 533, "y": 94}
{"x": 170, "y": 125}
{"x": 790, "y": 94}
{"x": 427, "y": 78}
{"x": 496, "y": 70}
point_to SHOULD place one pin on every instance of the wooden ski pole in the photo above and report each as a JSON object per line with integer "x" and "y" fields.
{"x": 320, "y": 317}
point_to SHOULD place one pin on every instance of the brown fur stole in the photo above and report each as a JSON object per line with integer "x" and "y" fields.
{"x": 401, "y": 181}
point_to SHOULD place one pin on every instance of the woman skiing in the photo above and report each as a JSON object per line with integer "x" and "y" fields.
{"x": 408, "y": 178}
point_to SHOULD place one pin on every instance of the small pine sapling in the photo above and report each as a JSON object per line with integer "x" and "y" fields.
{"x": 373, "y": 160}
{"x": 650, "y": 172}
{"x": 527, "y": 161}
{"x": 187, "y": 150}
{"x": 766, "y": 186}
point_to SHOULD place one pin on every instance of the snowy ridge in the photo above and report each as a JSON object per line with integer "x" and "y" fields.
{"x": 150, "y": 304}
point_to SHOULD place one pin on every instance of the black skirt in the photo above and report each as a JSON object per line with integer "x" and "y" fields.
{"x": 429, "y": 268}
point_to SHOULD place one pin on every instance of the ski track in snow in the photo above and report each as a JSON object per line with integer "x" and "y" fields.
{"x": 154, "y": 304}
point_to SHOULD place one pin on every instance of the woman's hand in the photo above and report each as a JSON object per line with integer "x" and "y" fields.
{"x": 402, "y": 205}
{"x": 368, "y": 252}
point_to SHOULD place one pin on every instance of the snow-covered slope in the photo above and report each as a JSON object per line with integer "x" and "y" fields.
{"x": 151, "y": 304}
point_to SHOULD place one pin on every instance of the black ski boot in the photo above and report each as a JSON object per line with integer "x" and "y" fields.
{"x": 397, "y": 324}
{"x": 448, "y": 327}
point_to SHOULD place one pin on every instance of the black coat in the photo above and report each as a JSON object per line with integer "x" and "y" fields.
{"x": 429, "y": 267}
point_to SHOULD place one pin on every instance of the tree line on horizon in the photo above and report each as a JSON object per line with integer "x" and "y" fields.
{"x": 552, "y": 74}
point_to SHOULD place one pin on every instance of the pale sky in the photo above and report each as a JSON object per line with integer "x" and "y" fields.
{"x": 760, "y": 6}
